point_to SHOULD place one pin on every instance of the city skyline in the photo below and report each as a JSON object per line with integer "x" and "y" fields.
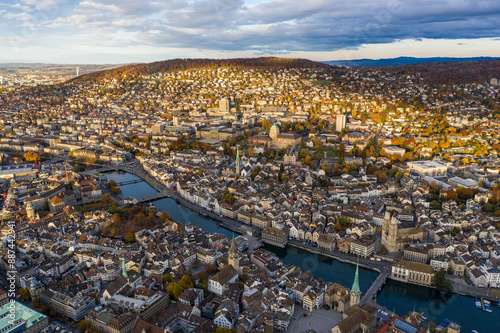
{"x": 105, "y": 31}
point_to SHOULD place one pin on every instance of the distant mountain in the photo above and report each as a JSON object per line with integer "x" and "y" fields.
{"x": 399, "y": 61}
{"x": 183, "y": 64}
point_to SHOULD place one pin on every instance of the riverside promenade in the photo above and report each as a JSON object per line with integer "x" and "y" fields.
{"x": 382, "y": 267}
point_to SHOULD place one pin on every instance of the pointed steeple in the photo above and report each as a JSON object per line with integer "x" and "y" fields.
{"x": 355, "y": 284}
{"x": 124, "y": 269}
{"x": 233, "y": 249}
{"x": 233, "y": 256}
{"x": 237, "y": 153}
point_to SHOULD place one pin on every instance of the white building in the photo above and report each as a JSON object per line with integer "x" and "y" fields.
{"x": 219, "y": 282}
{"x": 340, "y": 122}
{"x": 428, "y": 168}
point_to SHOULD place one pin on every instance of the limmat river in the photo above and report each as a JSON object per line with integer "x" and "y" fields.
{"x": 395, "y": 295}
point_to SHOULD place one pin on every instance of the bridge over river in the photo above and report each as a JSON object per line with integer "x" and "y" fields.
{"x": 375, "y": 287}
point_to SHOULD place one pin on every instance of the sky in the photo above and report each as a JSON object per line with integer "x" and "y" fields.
{"x": 129, "y": 31}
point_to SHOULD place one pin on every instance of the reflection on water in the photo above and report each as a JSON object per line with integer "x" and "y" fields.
{"x": 394, "y": 295}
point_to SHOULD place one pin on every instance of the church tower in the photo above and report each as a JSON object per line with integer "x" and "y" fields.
{"x": 237, "y": 161}
{"x": 355, "y": 291}
{"x": 233, "y": 258}
{"x": 273, "y": 133}
{"x": 30, "y": 211}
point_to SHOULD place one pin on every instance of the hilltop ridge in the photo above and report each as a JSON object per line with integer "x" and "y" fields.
{"x": 183, "y": 64}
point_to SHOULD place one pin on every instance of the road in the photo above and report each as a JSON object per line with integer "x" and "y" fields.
{"x": 344, "y": 257}
{"x": 461, "y": 287}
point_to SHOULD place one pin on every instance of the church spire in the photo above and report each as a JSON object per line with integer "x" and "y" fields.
{"x": 233, "y": 249}
{"x": 355, "y": 284}
{"x": 124, "y": 269}
{"x": 233, "y": 256}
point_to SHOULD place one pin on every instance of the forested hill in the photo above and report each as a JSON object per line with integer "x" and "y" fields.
{"x": 183, "y": 64}
{"x": 448, "y": 72}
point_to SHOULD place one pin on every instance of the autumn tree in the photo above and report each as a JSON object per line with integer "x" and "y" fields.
{"x": 31, "y": 156}
{"x": 130, "y": 237}
{"x": 24, "y": 293}
{"x": 451, "y": 195}
{"x": 83, "y": 325}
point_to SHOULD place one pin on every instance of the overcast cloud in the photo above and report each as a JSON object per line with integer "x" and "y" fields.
{"x": 110, "y": 28}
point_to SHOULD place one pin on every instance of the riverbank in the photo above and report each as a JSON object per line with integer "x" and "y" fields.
{"x": 397, "y": 295}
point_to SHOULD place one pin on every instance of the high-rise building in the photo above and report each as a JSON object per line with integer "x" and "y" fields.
{"x": 176, "y": 121}
{"x": 340, "y": 122}
{"x": 224, "y": 105}
{"x": 158, "y": 128}
{"x": 237, "y": 161}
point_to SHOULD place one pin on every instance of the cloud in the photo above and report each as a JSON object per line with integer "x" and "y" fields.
{"x": 237, "y": 25}
{"x": 19, "y": 16}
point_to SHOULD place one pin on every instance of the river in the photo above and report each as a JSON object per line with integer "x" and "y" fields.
{"x": 394, "y": 295}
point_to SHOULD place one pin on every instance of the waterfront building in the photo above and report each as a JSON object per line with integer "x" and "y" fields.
{"x": 274, "y": 236}
{"x": 337, "y": 297}
{"x": 412, "y": 272}
{"x": 362, "y": 247}
{"x": 394, "y": 238}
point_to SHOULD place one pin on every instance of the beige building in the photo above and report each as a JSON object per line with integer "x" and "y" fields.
{"x": 274, "y": 236}
{"x": 337, "y": 297}
{"x": 457, "y": 266}
{"x": 394, "y": 238}
{"x": 412, "y": 272}
{"x": 428, "y": 168}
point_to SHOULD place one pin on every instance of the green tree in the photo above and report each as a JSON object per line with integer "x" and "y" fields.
{"x": 167, "y": 278}
{"x": 164, "y": 217}
{"x": 441, "y": 282}
{"x": 111, "y": 184}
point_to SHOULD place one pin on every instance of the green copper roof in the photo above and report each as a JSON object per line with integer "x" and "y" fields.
{"x": 355, "y": 285}
{"x": 21, "y": 314}
{"x": 124, "y": 269}
{"x": 237, "y": 154}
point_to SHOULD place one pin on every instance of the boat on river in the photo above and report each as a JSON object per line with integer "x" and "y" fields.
{"x": 478, "y": 303}
{"x": 487, "y": 305}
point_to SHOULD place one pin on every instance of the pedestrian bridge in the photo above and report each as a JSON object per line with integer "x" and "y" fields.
{"x": 153, "y": 197}
{"x": 375, "y": 287}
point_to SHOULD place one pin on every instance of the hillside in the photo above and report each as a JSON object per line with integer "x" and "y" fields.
{"x": 183, "y": 64}
{"x": 448, "y": 72}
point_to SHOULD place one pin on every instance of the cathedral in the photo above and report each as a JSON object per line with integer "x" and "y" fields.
{"x": 395, "y": 238}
